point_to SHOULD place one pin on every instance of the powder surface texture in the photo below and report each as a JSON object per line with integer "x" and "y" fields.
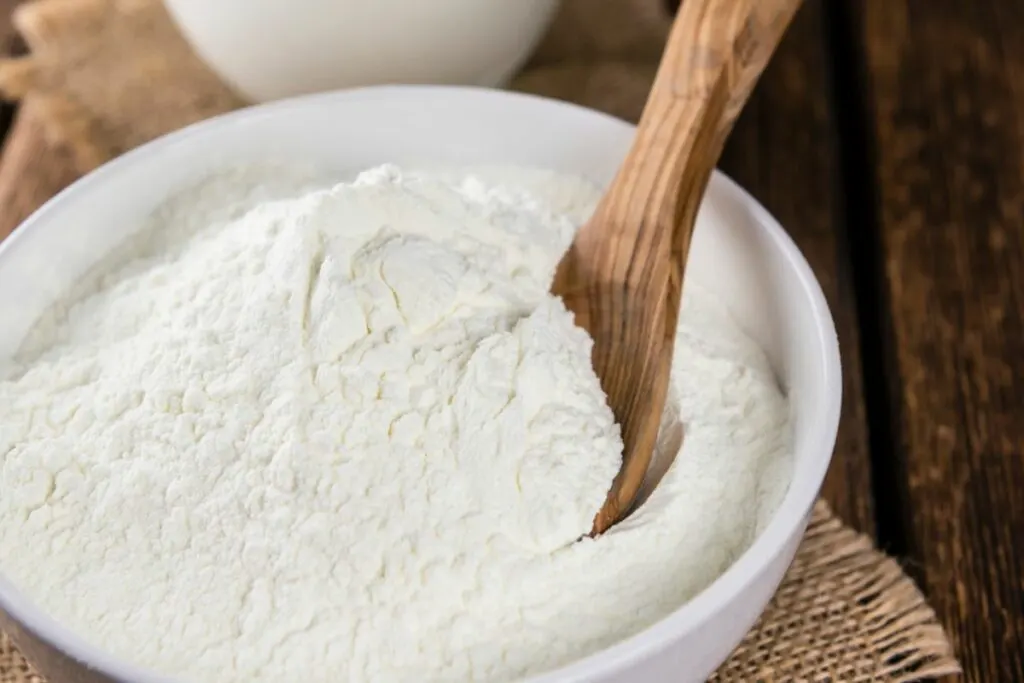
{"x": 344, "y": 433}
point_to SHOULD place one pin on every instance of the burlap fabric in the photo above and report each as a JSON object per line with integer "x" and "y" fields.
{"x": 106, "y": 75}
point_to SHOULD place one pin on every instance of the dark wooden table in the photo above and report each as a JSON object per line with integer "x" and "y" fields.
{"x": 888, "y": 137}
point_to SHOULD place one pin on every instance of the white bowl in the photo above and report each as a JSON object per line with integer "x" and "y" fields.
{"x": 738, "y": 251}
{"x": 268, "y": 49}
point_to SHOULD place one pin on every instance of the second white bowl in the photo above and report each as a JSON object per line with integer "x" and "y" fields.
{"x": 268, "y": 49}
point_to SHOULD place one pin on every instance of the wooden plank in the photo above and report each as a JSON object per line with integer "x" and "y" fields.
{"x": 783, "y": 150}
{"x": 945, "y": 99}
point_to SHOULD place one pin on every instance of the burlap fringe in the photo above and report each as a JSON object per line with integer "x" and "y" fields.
{"x": 14, "y": 668}
{"x": 845, "y": 612}
{"x": 107, "y": 75}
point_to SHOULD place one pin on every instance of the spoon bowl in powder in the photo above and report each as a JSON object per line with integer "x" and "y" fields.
{"x": 623, "y": 275}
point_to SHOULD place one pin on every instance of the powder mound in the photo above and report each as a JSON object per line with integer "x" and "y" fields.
{"x": 361, "y": 390}
{"x": 345, "y": 433}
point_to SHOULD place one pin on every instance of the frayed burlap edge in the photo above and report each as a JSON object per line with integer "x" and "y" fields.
{"x": 14, "y": 668}
{"x": 107, "y": 75}
{"x": 845, "y": 612}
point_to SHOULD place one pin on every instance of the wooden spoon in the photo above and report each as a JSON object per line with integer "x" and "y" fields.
{"x": 623, "y": 275}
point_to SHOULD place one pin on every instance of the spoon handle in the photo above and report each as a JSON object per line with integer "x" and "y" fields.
{"x": 638, "y": 240}
{"x": 716, "y": 52}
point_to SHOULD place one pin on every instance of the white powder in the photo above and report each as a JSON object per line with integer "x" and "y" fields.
{"x": 346, "y": 434}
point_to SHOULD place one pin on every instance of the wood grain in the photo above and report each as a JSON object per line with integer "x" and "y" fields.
{"x": 783, "y": 150}
{"x": 623, "y": 275}
{"x": 945, "y": 99}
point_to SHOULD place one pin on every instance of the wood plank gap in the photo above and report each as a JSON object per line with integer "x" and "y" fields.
{"x": 947, "y": 116}
{"x": 783, "y": 150}
{"x": 858, "y": 224}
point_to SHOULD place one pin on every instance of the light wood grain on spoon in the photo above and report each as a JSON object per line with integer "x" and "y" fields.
{"x": 623, "y": 275}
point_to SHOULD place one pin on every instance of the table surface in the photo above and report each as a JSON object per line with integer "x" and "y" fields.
{"x": 888, "y": 137}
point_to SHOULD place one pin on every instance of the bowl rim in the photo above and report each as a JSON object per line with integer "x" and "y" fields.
{"x": 789, "y": 519}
